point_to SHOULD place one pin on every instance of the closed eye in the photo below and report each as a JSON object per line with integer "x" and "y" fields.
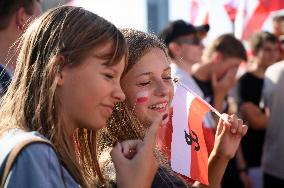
{"x": 167, "y": 78}
{"x": 108, "y": 76}
{"x": 144, "y": 83}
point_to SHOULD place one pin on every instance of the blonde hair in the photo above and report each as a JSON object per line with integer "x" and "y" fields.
{"x": 30, "y": 102}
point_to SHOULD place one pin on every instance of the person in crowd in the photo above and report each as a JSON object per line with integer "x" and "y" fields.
{"x": 185, "y": 48}
{"x": 148, "y": 87}
{"x": 278, "y": 31}
{"x": 278, "y": 25}
{"x": 15, "y": 15}
{"x": 272, "y": 100}
{"x": 216, "y": 75}
{"x": 66, "y": 82}
{"x": 264, "y": 48}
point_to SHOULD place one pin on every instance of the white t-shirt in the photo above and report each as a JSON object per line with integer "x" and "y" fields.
{"x": 272, "y": 97}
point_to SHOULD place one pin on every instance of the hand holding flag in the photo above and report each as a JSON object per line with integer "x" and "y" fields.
{"x": 188, "y": 150}
{"x": 228, "y": 136}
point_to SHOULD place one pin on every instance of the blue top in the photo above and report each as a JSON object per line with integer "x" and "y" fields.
{"x": 36, "y": 166}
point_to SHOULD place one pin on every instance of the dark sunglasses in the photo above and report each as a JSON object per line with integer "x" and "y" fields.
{"x": 193, "y": 41}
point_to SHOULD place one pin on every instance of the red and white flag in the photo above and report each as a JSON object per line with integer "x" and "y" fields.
{"x": 189, "y": 155}
{"x": 253, "y": 14}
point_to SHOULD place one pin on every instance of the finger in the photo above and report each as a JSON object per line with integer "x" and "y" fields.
{"x": 240, "y": 127}
{"x": 117, "y": 155}
{"x": 244, "y": 130}
{"x": 234, "y": 123}
{"x": 129, "y": 148}
{"x": 130, "y": 154}
{"x": 129, "y": 145}
{"x": 221, "y": 125}
{"x": 151, "y": 134}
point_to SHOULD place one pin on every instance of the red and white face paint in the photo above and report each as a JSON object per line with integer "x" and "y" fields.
{"x": 142, "y": 97}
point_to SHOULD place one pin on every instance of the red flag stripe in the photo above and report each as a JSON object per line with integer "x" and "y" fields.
{"x": 199, "y": 169}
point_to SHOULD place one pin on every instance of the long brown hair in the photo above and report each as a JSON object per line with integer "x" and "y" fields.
{"x": 30, "y": 102}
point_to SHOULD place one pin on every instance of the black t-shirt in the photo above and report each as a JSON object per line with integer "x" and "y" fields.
{"x": 206, "y": 88}
{"x": 249, "y": 90}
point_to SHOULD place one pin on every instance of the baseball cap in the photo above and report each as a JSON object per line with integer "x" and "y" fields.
{"x": 179, "y": 28}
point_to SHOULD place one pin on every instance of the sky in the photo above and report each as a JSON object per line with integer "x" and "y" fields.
{"x": 122, "y": 13}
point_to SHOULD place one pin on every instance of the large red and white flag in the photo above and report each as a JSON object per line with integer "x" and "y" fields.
{"x": 189, "y": 155}
{"x": 253, "y": 14}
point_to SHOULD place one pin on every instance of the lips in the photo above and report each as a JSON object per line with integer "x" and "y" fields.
{"x": 108, "y": 108}
{"x": 160, "y": 107}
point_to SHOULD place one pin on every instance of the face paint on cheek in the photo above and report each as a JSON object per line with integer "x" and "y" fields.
{"x": 142, "y": 97}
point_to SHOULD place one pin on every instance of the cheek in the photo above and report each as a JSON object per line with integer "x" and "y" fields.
{"x": 142, "y": 113}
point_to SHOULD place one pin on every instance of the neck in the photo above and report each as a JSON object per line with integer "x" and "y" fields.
{"x": 202, "y": 71}
{"x": 257, "y": 69}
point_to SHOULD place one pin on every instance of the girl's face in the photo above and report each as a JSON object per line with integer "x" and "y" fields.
{"x": 88, "y": 92}
{"x": 148, "y": 87}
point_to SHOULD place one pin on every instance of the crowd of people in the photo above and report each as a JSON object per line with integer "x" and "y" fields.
{"x": 92, "y": 107}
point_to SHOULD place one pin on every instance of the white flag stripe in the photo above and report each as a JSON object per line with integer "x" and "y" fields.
{"x": 181, "y": 152}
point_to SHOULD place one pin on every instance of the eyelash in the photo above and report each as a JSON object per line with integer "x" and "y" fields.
{"x": 147, "y": 83}
{"x": 168, "y": 78}
{"x": 144, "y": 83}
{"x": 108, "y": 76}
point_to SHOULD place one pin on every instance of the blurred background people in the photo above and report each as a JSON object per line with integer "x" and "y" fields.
{"x": 184, "y": 42}
{"x": 264, "y": 48}
{"x": 273, "y": 150}
{"x": 278, "y": 31}
{"x": 15, "y": 15}
{"x": 216, "y": 76}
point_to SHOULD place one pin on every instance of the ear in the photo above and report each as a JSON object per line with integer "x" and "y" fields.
{"x": 217, "y": 57}
{"x": 175, "y": 49}
{"x": 60, "y": 75}
{"x": 21, "y": 18}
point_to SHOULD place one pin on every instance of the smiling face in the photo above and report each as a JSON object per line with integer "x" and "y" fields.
{"x": 88, "y": 92}
{"x": 148, "y": 86}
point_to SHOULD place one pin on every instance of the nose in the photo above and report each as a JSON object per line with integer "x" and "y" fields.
{"x": 118, "y": 94}
{"x": 162, "y": 89}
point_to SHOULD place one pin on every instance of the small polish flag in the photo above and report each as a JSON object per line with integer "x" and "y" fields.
{"x": 189, "y": 155}
{"x": 142, "y": 97}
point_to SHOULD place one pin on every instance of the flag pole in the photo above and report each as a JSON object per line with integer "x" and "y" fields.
{"x": 176, "y": 80}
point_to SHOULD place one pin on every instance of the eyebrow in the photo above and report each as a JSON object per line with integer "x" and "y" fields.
{"x": 149, "y": 73}
{"x": 144, "y": 74}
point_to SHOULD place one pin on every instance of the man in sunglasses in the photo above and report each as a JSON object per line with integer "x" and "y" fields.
{"x": 184, "y": 42}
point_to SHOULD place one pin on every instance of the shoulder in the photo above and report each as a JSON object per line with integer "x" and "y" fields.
{"x": 276, "y": 68}
{"x": 37, "y": 165}
{"x": 38, "y": 152}
{"x": 246, "y": 77}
